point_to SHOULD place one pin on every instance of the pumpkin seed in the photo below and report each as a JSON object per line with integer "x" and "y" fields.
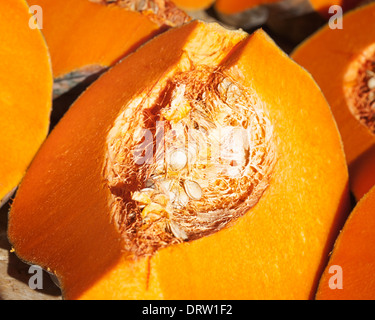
{"x": 183, "y": 198}
{"x": 177, "y": 231}
{"x": 149, "y": 184}
{"x": 177, "y": 160}
{"x": 193, "y": 190}
{"x": 371, "y": 83}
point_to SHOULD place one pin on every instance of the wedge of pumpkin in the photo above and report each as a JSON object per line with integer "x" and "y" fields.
{"x": 192, "y": 169}
{"x": 25, "y": 93}
{"x": 86, "y": 36}
{"x": 349, "y": 274}
{"x": 343, "y": 64}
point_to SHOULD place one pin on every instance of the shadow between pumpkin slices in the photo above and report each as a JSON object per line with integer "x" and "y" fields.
{"x": 342, "y": 62}
{"x": 250, "y": 13}
{"x": 190, "y": 170}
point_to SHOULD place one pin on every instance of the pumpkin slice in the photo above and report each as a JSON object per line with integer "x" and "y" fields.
{"x": 86, "y": 36}
{"x": 191, "y": 161}
{"x": 25, "y": 91}
{"x": 343, "y": 64}
{"x": 349, "y": 274}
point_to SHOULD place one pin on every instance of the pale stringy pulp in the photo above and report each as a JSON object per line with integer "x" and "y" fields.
{"x": 225, "y": 143}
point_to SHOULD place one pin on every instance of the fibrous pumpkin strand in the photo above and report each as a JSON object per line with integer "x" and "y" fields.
{"x": 204, "y": 158}
{"x": 360, "y": 92}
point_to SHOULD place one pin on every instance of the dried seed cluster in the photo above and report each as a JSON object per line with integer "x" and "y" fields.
{"x": 360, "y": 89}
{"x": 201, "y": 156}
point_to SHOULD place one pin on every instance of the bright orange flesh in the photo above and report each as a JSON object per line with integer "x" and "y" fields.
{"x": 322, "y": 6}
{"x": 328, "y": 55}
{"x": 61, "y": 220}
{"x": 354, "y": 254}
{"x": 193, "y": 4}
{"x": 25, "y": 91}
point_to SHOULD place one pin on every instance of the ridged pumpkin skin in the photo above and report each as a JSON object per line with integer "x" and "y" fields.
{"x": 354, "y": 256}
{"x": 61, "y": 216}
{"x": 25, "y": 91}
{"x": 327, "y": 55}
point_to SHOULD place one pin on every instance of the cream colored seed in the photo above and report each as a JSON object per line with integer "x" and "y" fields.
{"x": 371, "y": 96}
{"x": 193, "y": 190}
{"x": 164, "y": 185}
{"x": 371, "y": 83}
{"x": 183, "y": 198}
{"x": 177, "y": 160}
{"x": 177, "y": 231}
{"x": 149, "y": 183}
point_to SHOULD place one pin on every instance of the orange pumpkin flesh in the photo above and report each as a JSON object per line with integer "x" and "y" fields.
{"x": 25, "y": 90}
{"x": 193, "y": 5}
{"x": 86, "y": 36}
{"x": 322, "y": 6}
{"x": 335, "y": 59}
{"x": 354, "y": 255}
{"x": 71, "y": 218}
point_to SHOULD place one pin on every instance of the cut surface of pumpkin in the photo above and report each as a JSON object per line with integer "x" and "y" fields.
{"x": 25, "y": 93}
{"x": 87, "y": 36}
{"x": 349, "y": 274}
{"x": 343, "y": 64}
{"x": 200, "y": 177}
{"x": 193, "y": 5}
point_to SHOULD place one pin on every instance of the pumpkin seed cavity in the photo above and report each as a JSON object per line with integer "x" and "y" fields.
{"x": 186, "y": 159}
{"x": 359, "y": 88}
